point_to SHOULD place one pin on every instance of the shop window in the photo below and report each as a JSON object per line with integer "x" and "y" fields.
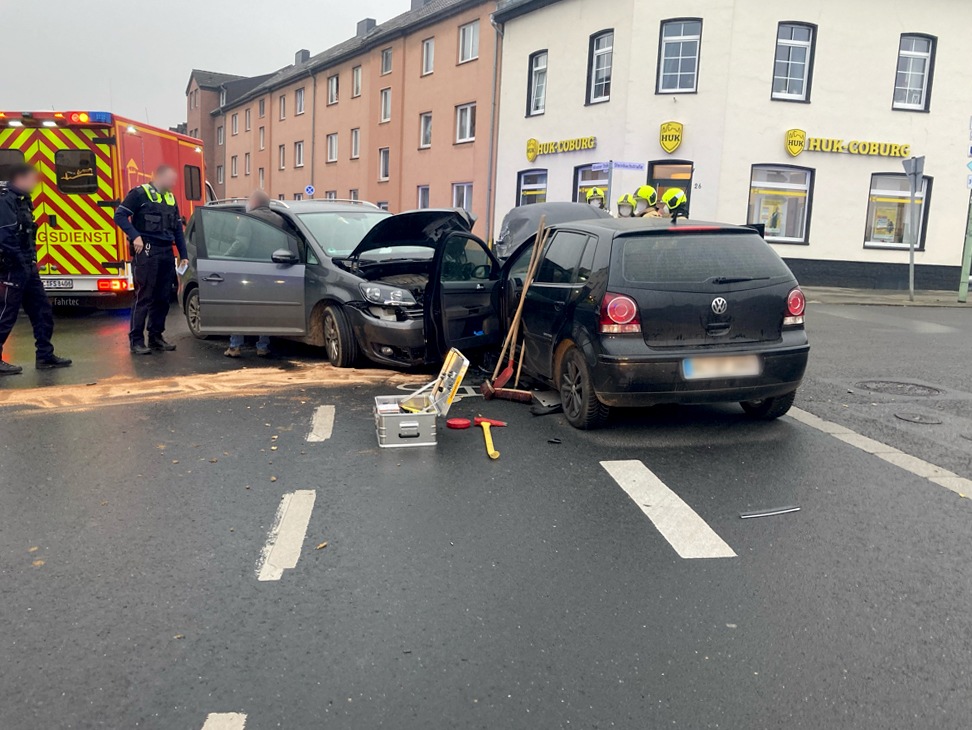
{"x": 913, "y": 79}
{"x": 537, "y": 86}
{"x": 779, "y": 198}
{"x": 678, "y": 56}
{"x": 9, "y": 158}
{"x": 531, "y": 187}
{"x": 76, "y": 171}
{"x": 600, "y": 65}
{"x": 585, "y": 178}
{"x": 793, "y": 66}
{"x": 665, "y": 174}
{"x": 891, "y": 219}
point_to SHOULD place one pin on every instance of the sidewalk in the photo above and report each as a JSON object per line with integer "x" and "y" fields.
{"x": 885, "y": 297}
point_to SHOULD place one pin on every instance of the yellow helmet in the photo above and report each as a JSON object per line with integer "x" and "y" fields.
{"x": 647, "y": 192}
{"x": 674, "y": 197}
{"x": 595, "y": 193}
{"x": 627, "y": 199}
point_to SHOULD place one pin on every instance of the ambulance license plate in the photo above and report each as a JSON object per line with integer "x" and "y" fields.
{"x": 58, "y": 284}
{"x": 710, "y": 368}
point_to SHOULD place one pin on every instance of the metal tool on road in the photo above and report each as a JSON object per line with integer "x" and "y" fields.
{"x": 490, "y": 449}
{"x": 491, "y": 421}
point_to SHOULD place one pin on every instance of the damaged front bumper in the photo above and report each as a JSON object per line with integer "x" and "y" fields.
{"x": 393, "y": 336}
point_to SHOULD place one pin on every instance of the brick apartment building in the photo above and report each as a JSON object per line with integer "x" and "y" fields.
{"x": 398, "y": 115}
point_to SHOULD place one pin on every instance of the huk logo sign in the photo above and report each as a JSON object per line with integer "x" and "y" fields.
{"x": 796, "y": 140}
{"x": 533, "y": 149}
{"x": 670, "y": 136}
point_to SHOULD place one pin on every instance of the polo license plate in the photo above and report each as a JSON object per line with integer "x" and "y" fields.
{"x": 58, "y": 284}
{"x": 710, "y": 368}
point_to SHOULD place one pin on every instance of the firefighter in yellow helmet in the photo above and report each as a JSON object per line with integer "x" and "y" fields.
{"x": 677, "y": 202}
{"x": 626, "y": 206}
{"x": 646, "y": 198}
{"x": 595, "y": 197}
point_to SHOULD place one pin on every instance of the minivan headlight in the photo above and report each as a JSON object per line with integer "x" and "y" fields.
{"x": 386, "y": 296}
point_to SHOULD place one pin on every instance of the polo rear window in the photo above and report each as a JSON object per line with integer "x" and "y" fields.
{"x": 698, "y": 258}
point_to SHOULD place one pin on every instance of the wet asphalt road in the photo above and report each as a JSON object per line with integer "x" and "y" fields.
{"x": 529, "y": 592}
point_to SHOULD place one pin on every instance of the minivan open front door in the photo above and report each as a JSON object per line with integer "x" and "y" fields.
{"x": 460, "y": 306}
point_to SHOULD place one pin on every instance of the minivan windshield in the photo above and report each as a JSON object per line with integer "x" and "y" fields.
{"x": 720, "y": 258}
{"x": 338, "y": 232}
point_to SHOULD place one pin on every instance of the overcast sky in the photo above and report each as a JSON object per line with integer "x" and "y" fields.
{"x": 134, "y": 58}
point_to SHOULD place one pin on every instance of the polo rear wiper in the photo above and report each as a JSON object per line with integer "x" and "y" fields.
{"x": 737, "y": 279}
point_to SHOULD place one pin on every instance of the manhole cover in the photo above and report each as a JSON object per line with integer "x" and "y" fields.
{"x": 894, "y": 387}
{"x": 918, "y": 418}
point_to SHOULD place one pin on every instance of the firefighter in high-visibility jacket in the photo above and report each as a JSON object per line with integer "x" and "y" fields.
{"x": 150, "y": 218}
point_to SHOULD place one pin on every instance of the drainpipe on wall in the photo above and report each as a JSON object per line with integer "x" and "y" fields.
{"x": 313, "y": 127}
{"x": 490, "y": 203}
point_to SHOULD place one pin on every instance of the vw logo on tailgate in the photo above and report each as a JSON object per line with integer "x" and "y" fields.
{"x": 720, "y": 305}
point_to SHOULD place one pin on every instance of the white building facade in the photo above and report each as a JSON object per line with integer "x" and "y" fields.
{"x": 796, "y": 116}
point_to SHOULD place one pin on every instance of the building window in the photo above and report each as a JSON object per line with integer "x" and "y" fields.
{"x": 235, "y": 124}
{"x": 531, "y": 187}
{"x": 356, "y": 81}
{"x": 384, "y": 163}
{"x": 263, "y": 137}
{"x": 299, "y": 101}
{"x": 234, "y": 166}
{"x": 469, "y": 41}
{"x": 425, "y": 130}
{"x": 298, "y": 154}
{"x": 423, "y": 197}
{"x": 537, "y": 84}
{"x": 222, "y": 97}
{"x": 281, "y": 197}
{"x": 665, "y": 174}
{"x": 220, "y": 137}
{"x": 219, "y": 174}
{"x": 599, "y": 67}
{"x": 262, "y": 108}
{"x": 386, "y": 61}
{"x": 913, "y": 81}
{"x": 332, "y": 147}
{"x": 282, "y": 156}
{"x": 246, "y": 164}
{"x": 678, "y": 56}
{"x": 353, "y": 194}
{"x": 332, "y": 89}
{"x": 298, "y": 196}
{"x": 779, "y": 198}
{"x": 283, "y": 106}
{"x": 793, "y": 67}
{"x": 462, "y": 194}
{"x": 465, "y": 123}
{"x": 382, "y": 204}
{"x": 585, "y": 178}
{"x": 890, "y": 217}
{"x": 261, "y": 177}
{"x": 385, "y": 105}
{"x": 330, "y": 195}
{"x": 246, "y": 120}
{"x": 355, "y": 143}
{"x": 428, "y": 56}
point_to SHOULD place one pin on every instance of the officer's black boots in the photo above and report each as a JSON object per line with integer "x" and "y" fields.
{"x": 52, "y": 361}
{"x": 7, "y": 369}
{"x": 159, "y": 343}
{"x": 140, "y": 349}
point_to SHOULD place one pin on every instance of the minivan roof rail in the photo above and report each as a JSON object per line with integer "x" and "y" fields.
{"x": 283, "y": 203}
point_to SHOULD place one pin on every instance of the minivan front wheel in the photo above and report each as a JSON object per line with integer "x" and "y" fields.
{"x": 581, "y": 406}
{"x": 194, "y": 314}
{"x": 342, "y": 348}
{"x": 769, "y": 409}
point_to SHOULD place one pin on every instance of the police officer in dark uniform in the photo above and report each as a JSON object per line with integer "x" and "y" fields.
{"x": 20, "y": 282}
{"x": 150, "y": 218}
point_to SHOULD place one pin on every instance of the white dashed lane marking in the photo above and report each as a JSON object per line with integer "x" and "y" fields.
{"x": 225, "y": 721}
{"x": 286, "y": 537}
{"x": 323, "y": 424}
{"x": 918, "y": 467}
{"x": 675, "y": 520}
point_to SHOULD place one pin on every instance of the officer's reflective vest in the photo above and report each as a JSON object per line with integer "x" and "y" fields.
{"x": 159, "y": 214}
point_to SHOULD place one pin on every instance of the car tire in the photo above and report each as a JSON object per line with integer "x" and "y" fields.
{"x": 769, "y": 409}
{"x": 193, "y": 313}
{"x": 581, "y": 407}
{"x": 339, "y": 342}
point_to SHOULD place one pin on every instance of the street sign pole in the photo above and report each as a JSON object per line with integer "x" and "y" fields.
{"x": 915, "y": 170}
{"x": 966, "y": 258}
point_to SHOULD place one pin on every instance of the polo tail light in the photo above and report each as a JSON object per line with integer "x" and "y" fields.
{"x": 796, "y": 305}
{"x": 619, "y": 315}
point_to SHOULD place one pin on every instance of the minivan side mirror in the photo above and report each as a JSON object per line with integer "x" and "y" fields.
{"x": 284, "y": 256}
